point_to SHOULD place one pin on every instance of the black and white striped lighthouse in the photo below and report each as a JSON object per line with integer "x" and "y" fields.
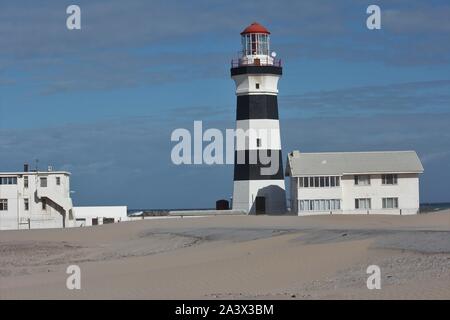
{"x": 258, "y": 168}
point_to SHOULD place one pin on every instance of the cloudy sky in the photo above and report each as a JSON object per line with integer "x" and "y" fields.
{"x": 102, "y": 101}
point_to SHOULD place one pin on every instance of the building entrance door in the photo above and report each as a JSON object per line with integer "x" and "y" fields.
{"x": 260, "y": 204}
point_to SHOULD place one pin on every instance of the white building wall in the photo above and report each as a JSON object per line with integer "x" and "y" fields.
{"x": 85, "y": 215}
{"x": 406, "y": 190}
{"x": 16, "y": 217}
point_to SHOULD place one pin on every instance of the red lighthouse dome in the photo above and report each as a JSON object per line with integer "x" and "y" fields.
{"x": 255, "y": 27}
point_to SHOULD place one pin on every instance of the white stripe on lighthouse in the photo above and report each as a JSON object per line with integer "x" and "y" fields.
{"x": 256, "y": 84}
{"x": 266, "y": 130}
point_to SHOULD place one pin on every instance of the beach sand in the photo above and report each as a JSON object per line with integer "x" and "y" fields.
{"x": 233, "y": 257}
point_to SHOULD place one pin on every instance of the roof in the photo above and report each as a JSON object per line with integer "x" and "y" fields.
{"x": 341, "y": 163}
{"x": 255, "y": 27}
{"x": 28, "y": 173}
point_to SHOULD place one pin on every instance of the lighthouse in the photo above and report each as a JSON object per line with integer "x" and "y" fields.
{"x": 258, "y": 185}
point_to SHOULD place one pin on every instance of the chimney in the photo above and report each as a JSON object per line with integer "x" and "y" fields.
{"x": 25, "y": 167}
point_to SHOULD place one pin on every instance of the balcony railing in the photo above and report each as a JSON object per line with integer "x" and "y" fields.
{"x": 261, "y": 61}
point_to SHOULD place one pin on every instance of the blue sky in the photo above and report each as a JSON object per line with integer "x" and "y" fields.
{"x": 102, "y": 102}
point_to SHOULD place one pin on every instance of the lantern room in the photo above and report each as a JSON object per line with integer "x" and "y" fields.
{"x": 255, "y": 46}
{"x": 255, "y": 40}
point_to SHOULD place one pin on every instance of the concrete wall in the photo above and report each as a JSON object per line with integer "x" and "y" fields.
{"x": 406, "y": 190}
{"x": 84, "y": 215}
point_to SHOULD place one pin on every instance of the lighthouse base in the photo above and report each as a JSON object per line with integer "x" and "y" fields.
{"x": 260, "y": 196}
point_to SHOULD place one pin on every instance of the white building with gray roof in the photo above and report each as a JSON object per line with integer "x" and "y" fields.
{"x": 354, "y": 182}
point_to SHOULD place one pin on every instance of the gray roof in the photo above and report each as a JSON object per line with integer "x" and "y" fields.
{"x": 340, "y": 163}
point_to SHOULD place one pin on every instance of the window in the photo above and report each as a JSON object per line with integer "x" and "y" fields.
{"x": 389, "y": 179}
{"x": 318, "y": 182}
{"x": 333, "y": 181}
{"x": 44, "y": 204}
{"x": 322, "y": 182}
{"x": 258, "y": 142}
{"x": 390, "y": 203}
{"x": 25, "y": 181}
{"x": 300, "y": 182}
{"x": 58, "y": 181}
{"x": 319, "y": 205}
{"x": 26, "y": 204}
{"x": 43, "y": 182}
{"x": 3, "y": 204}
{"x": 8, "y": 180}
{"x": 362, "y": 180}
{"x": 257, "y": 86}
{"x": 364, "y": 203}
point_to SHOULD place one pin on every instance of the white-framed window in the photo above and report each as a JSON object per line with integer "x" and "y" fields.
{"x": 3, "y": 204}
{"x": 257, "y": 85}
{"x": 58, "y": 181}
{"x": 8, "y": 180}
{"x": 319, "y": 205}
{"x": 258, "y": 142}
{"x": 26, "y": 204}
{"x": 319, "y": 182}
{"x": 389, "y": 179}
{"x": 25, "y": 181}
{"x": 43, "y": 181}
{"x": 362, "y": 180}
{"x": 363, "y": 203}
{"x": 390, "y": 203}
{"x": 44, "y": 204}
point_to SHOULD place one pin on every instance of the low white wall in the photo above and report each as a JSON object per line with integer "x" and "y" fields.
{"x": 206, "y": 212}
{"x": 403, "y": 212}
{"x": 85, "y": 215}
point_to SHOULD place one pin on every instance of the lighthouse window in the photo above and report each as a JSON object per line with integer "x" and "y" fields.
{"x": 258, "y": 142}
{"x": 257, "y": 86}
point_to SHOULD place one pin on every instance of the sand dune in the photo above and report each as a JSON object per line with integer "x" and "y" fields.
{"x": 264, "y": 257}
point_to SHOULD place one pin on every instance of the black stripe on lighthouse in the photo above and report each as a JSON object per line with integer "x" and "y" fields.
{"x": 257, "y": 107}
{"x": 252, "y": 171}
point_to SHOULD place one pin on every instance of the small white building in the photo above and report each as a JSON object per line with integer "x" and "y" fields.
{"x": 354, "y": 182}
{"x": 41, "y": 199}
{"x": 35, "y": 199}
{"x": 92, "y": 216}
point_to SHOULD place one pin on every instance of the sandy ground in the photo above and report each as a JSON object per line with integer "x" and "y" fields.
{"x": 233, "y": 257}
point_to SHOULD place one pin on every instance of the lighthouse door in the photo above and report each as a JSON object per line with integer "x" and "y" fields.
{"x": 260, "y": 205}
